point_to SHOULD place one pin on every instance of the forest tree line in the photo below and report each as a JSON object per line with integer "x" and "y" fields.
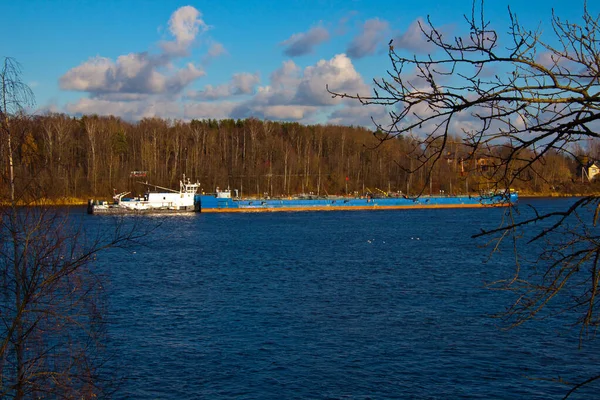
{"x": 92, "y": 156}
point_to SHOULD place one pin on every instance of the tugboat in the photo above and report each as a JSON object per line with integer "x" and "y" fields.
{"x": 164, "y": 201}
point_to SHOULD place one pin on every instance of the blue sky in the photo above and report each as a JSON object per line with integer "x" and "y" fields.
{"x": 226, "y": 59}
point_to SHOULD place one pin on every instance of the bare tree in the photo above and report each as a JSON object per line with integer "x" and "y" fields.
{"x": 51, "y": 308}
{"x": 527, "y": 95}
{"x": 14, "y": 96}
{"x": 514, "y": 99}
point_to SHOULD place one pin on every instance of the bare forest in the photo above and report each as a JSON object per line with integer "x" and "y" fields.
{"x": 70, "y": 159}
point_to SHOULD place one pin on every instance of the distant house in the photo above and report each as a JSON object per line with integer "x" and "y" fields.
{"x": 483, "y": 164}
{"x": 592, "y": 170}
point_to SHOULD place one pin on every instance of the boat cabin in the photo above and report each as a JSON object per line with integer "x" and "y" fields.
{"x": 223, "y": 194}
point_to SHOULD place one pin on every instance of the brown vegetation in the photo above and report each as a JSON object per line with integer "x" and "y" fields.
{"x": 77, "y": 158}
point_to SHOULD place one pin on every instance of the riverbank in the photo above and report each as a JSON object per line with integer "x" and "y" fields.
{"x": 63, "y": 201}
{"x": 74, "y": 201}
{"x": 527, "y": 195}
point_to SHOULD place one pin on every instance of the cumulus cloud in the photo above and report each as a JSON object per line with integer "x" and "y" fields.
{"x": 184, "y": 25}
{"x": 296, "y": 94}
{"x": 352, "y": 114}
{"x": 131, "y": 73}
{"x": 182, "y": 78}
{"x": 548, "y": 59}
{"x": 370, "y": 38}
{"x": 292, "y": 86}
{"x": 287, "y": 112}
{"x": 555, "y": 62}
{"x": 121, "y": 96}
{"x": 520, "y": 121}
{"x": 215, "y": 50}
{"x": 338, "y": 74}
{"x": 130, "y": 110}
{"x": 139, "y": 85}
{"x": 132, "y": 76}
{"x": 412, "y": 39}
{"x": 288, "y": 75}
{"x": 206, "y": 110}
{"x": 242, "y": 83}
{"x": 276, "y": 112}
{"x": 210, "y": 92}
{"x": 304, "y": 43}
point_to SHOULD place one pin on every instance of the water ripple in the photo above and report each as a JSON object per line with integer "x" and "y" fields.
{"x": 324, "y": 305}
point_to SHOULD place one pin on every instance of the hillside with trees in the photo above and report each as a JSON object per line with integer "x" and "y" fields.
{"x": 77, "y": 158}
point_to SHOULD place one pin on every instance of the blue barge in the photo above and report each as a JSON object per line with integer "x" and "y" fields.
{"x": 221, "y": 201}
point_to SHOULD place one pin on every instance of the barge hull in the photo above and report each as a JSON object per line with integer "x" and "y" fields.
{"x": 120, "y": 211}
{"x": 342, "y": 208}
{"x": 117, "y": 210}
{"x": 212, "y": 204}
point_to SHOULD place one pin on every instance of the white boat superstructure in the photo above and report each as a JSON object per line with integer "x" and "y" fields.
{"x": 163, "y": 201}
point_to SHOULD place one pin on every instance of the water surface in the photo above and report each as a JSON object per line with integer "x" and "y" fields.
{"x": 362, "y": 304}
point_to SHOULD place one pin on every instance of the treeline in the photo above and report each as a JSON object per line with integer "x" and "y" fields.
{"x": 91, "y": 156}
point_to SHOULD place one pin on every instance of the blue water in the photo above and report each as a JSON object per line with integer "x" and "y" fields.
{"x": 327, "y": 305}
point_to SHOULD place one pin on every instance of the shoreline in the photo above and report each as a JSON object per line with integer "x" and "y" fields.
{"x": 555, "y": 195}
{"x": 64, "y": 202}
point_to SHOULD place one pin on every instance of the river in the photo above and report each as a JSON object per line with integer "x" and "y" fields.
{"x": 327, "y": 305}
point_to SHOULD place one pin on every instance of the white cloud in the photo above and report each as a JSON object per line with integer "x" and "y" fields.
{"x": 286, "y": 112}
{"x": 139, "y": 85}
{"x": 298, "y": 95}
{"x": 210, "y": 92}
{"x": 139, "y": 74}
{"x": 555, "y": 62}
{"x": 353, "y": 114}
{"x": 206, "y": 110}
{"x": 303, "y": 43}
{"x": 292, "y": 86}
{"x": 370, "y": 38}
{"x": 242, "y": 83}
{"x": 338, "y": 74}
{"x": 413, "y": 39}
{"x": 88, "y": 76}
{"x": 121, "y": 96}
{"x": 216, "y": 49}
{"x": 286, "y": 76}
{"x": 182, "y": 78}
{"x": 519, "y": 121}
{"x": 131, "y": 73}
{"x": 184, "y": 25}
{"x": 130, "y": 110}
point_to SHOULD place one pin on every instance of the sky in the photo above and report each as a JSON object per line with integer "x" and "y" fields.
{"x": 269, "y": 59}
